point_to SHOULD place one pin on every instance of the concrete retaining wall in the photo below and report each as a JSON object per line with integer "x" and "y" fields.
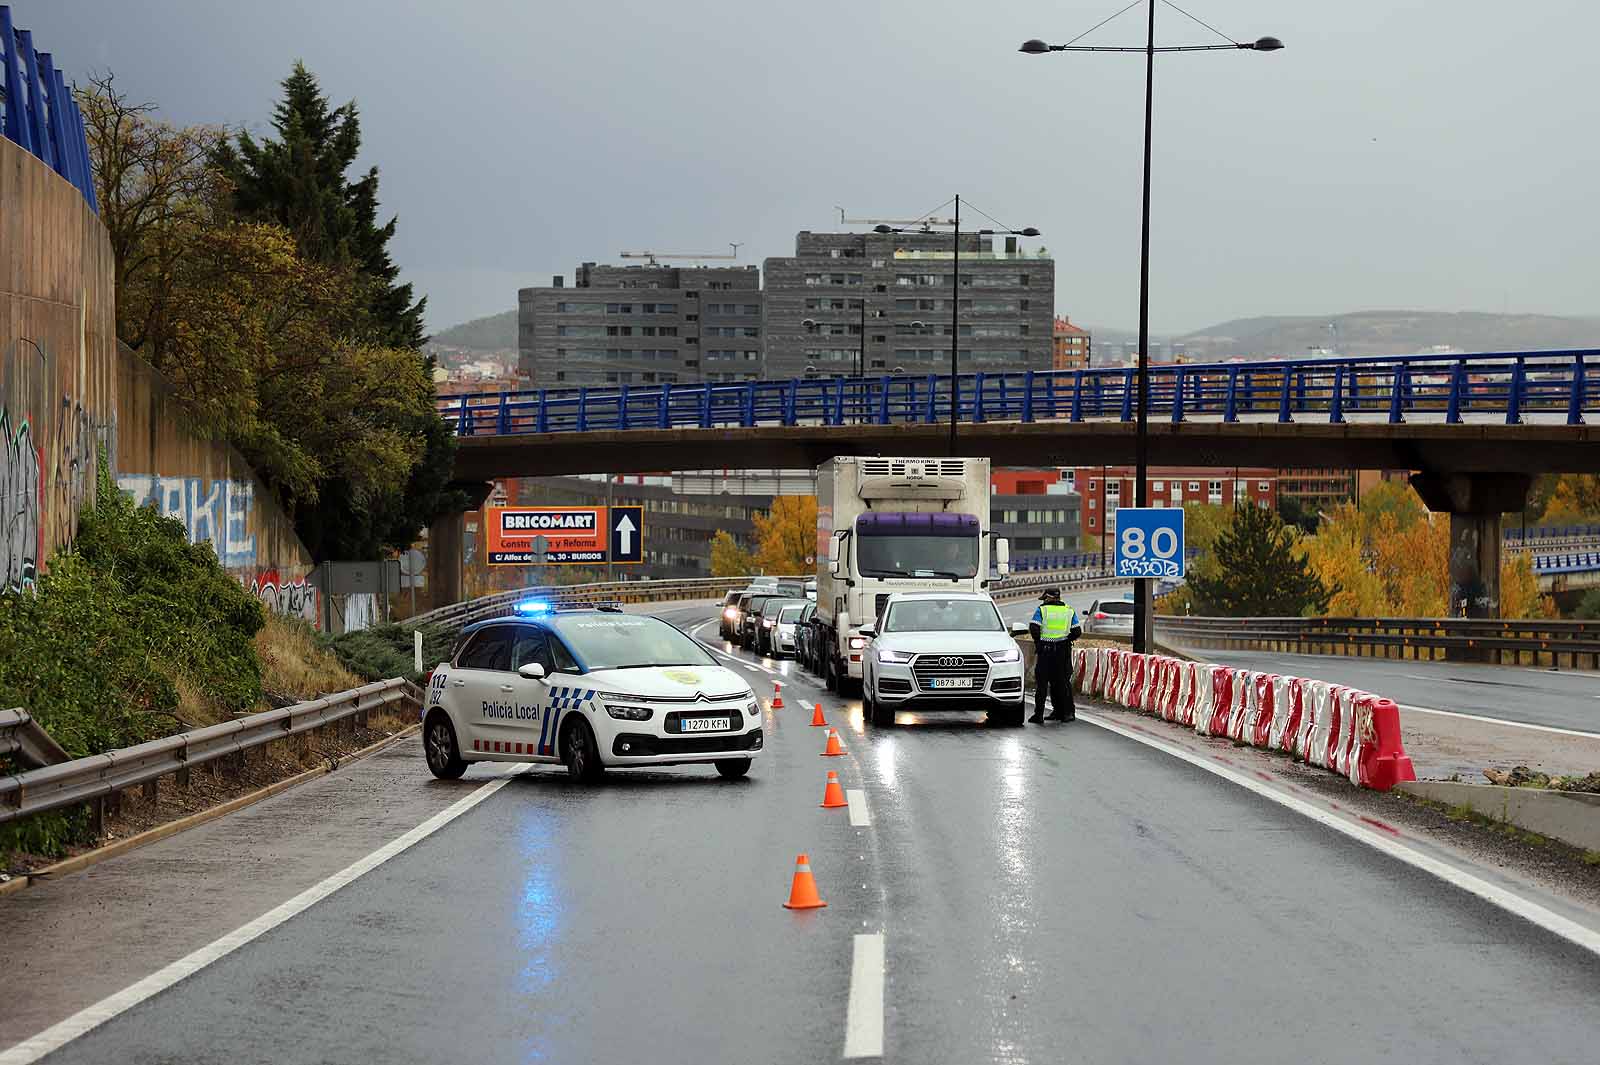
{"x": 68, "y": 389}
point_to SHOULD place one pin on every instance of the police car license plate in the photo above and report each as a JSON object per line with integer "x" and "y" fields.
{"x": 951, "y": 682}
{"x": 702, "y": 724}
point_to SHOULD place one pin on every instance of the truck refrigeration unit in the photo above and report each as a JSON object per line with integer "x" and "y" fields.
{"x": 895, "y": 525}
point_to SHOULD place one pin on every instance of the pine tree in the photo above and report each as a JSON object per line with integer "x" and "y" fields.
{"x": 1259, "y": 571}
{"x": 299, "y": 181}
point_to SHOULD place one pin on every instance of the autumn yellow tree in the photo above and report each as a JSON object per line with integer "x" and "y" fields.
{"x": 728, "y": 559}
{"x": 786, "y": 537}
{"x": 1574, "y": 500}
{"x": 1389, "y": 557}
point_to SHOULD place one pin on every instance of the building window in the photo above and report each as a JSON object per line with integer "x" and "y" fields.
{"x": 1092, "y": 502}
{"x": 1158, "y": 486}
{"x": 1263, "y": 486}
{"x": 1194, "y": 486}
{"x": 1091, "y": 518}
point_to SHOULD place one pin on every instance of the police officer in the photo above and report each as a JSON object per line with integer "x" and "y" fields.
{"x": 1054, "y": 626}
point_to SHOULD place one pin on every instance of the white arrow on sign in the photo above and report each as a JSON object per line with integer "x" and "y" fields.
{"x": 625, "y": 530}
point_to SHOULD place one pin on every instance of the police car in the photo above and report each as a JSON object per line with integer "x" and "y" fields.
{"x": 592, "y": 688}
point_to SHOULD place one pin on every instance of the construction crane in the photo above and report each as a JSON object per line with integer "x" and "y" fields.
{"x": 926, "y": 222}
{"x": 655, "y": 256}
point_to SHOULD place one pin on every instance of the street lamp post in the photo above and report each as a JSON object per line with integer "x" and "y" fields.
{"x": 1141, "y": 585}
{"x": 955, "y": 300}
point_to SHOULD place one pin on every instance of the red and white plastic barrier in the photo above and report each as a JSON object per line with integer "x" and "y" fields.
{"x": 1354, "y": 733}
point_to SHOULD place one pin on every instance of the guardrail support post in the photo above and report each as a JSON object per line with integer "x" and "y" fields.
{"x": 1336, "y": 406}
{"x": 1458, "y": 399}
{"x": 1576, "y": 397}
{"x": 1127, "y": 395}
{"x": 1397, "y": 398}
{"x": 1077, "y": 396}
{"x": 1283, "y": 401}
{"x": 1230, "y": 408}
{"x": 1027, "y": 396}
{"x": 1514, "y": 398}
{"x": 1177, "y": 399}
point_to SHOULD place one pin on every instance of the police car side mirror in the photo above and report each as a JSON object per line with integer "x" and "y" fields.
{"x": 1019, "y": 628}
{"x": 532, "y": 670}
{"x": 867, "y": 630}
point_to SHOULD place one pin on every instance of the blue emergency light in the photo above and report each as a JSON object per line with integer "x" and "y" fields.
{"x": 533, "y": 606}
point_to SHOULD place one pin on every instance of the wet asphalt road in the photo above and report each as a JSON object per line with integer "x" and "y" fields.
{"x": 1045, "y": 895}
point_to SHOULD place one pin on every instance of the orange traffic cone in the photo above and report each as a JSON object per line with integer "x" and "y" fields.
{"x": 777, "y": 696}
{"x": 803, "y": 892}
{"x": 834, "y": 749}
{"x": 817, "y": 720}
{"x": 833, "y": 794}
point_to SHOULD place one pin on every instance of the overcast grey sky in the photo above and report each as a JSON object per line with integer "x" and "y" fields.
{"x": 1435, "y": 154}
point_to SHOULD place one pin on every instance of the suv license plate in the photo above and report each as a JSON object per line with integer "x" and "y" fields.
{"x": 951, "y": 682}
{"x": 703, "y": 724}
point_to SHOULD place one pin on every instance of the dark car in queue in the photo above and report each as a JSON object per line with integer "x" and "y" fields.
{"x": 728, "y": 620}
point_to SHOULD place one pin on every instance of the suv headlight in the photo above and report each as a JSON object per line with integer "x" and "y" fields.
{"x": 1010, "y": 654}
{"x": 630, "y": 713}
{"x": 886, "y": 655}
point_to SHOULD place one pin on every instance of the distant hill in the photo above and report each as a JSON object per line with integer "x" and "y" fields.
{"x": 1360, "y": 333}
{"x": 1391, "y": 333}
{"x": 497, "y": 332}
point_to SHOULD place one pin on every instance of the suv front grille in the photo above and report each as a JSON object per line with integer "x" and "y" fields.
{"x": 927, "y": 668}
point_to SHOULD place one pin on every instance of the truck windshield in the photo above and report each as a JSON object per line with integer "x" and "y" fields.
{"x": 917, "y": 556}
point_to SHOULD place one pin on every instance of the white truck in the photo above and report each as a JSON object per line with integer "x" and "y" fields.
{"x": 889, "y": 525}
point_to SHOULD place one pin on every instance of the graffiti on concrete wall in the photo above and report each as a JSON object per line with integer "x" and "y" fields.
{"x": 21, "y": 506}
{"x": 296, "y": 598}
{"x": 215, "y": 511}
{"x": 360, "y": 611}
{"x": 78, "y": 439}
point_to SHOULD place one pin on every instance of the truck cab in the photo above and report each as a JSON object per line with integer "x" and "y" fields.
{"x": 889, "y": 525}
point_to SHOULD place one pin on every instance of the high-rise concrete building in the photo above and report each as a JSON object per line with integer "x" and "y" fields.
{"x": 641, "y": 325}
{"x": 874, "y": 304}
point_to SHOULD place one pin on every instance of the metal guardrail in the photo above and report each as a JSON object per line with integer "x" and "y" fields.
{"x": 1454, "y": 639}
{"x": 22, "y": 736}
{"x": 98, "y": 776}
{"x": 1552, "y": 387}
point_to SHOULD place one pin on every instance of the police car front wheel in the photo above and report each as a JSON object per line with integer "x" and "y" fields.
{"x": 579, "y": 753}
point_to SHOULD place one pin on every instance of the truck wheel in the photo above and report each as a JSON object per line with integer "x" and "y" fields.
{"x": 830, "y": 671}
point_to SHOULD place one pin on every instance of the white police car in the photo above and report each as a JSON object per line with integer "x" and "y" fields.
{"x": 592, "y": 688}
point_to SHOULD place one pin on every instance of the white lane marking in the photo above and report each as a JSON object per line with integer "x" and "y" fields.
{"x": 863, "y": 1019}
{"x": 1499, "y": 721}
{"x": 860, "y": 816}
{"x": 91, "y": 1017}
{"x": 1544, "y": 917}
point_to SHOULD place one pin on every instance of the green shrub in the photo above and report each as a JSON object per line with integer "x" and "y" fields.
{"x": 94, "y": 652}
{"x": 384, "y": 651}
{"x": 1589, "y": 606}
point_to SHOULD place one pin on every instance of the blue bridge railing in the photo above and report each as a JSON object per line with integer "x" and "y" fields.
{"x": 1551, "y": 387}
{"x": 40, "y": 113}
{"x": 1581, "y": 562}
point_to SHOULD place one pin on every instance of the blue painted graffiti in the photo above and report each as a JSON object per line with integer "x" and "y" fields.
{"x": 215, "y": 511}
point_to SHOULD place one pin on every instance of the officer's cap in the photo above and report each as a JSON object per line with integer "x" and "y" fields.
{"x": 1050, "y": 593}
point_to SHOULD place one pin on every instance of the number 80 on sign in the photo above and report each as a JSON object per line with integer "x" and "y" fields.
{"x": 1150, "y": 542}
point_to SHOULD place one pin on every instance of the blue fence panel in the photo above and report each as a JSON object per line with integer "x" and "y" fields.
{"x": 40, "y": 112}
{"x": 1510, "y": 387}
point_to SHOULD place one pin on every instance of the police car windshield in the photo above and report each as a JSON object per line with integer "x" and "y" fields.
{"x": 624, "y": 641}
{"x": 942, "y": 615}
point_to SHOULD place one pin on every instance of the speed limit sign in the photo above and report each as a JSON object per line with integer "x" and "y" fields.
{"x": 1150, "y": 542}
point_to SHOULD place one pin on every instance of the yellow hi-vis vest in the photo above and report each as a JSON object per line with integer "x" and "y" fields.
{"x": 1055, "y": 622}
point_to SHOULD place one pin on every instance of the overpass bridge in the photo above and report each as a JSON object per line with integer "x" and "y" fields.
{"x": 1476, "y": 427}
{"x": 1496, "y": 412}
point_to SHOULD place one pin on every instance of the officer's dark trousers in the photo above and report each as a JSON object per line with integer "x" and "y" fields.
{"x": 1052, "y": 678}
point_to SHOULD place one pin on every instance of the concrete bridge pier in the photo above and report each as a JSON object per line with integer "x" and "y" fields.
{"x": 447, "y": 548}
{"x": 1475, "y": 502}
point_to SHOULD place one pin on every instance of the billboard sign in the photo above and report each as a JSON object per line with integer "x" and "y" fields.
{"x": 564, "y": 536}
{"x": 574, "y": 536}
